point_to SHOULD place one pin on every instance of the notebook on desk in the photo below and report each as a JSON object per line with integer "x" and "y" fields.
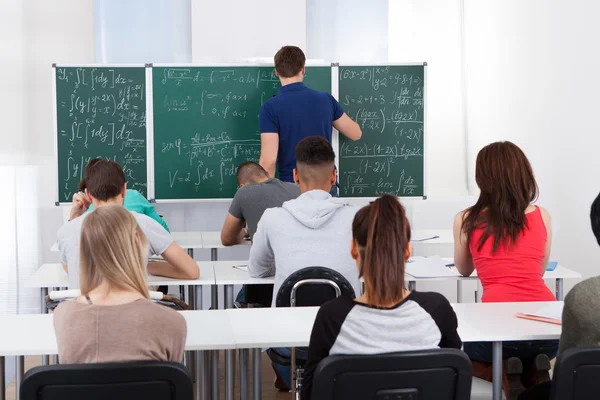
{"x": 429, "y": 267}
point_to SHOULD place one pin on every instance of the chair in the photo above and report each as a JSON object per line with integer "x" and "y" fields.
{"x": 148, "y": 380}
{"x": 311, "y": 286}
{"x": 576, "y": 374}
{"x": 439, "y": 374}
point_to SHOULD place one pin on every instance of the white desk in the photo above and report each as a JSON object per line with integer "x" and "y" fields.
{"x": 53, "y": 275}
{"x": 33, "y": 334}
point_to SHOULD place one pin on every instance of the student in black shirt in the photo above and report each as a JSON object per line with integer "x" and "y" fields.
{"x": 386, "y": 318}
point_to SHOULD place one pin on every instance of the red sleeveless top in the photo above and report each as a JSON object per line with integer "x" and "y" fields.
{"x": 513, "y": 273}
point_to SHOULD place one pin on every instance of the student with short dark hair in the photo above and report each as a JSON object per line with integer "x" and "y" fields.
{"x": 581, "y": 315}
{"x": 507, "y": 239}
{"x": 312, "y": 230}
{"x": 295, "y": 113}
{"x": 257, "y": 192}
{"x": 106, "y": 185}
{"x": 387, "y": 318}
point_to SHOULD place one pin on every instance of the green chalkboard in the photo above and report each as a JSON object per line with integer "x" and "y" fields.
{"x": 206, "y": 124}
{"x": 100, "y": 113}
{"x": 388, "y": 103}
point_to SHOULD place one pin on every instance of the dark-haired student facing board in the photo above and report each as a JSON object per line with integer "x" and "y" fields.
{"x": 386, "y": 318}
{"x": 581, "y": 315}
{"x": 507, "y": 240}
{"x": 256, "y": 193}
{"x": 295, "y": 113}
{"x": 312, "y": 230}
{"x": 106, "y": 185}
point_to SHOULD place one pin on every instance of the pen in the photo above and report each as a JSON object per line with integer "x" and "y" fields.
{"x": 429, "y": 238}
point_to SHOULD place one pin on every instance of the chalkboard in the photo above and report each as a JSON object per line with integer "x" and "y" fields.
{"x": 388, "y": 103}
{"x": 100, "y": 112}
{"x": 206, "y": 125}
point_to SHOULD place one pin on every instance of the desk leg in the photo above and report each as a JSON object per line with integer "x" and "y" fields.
{"x": 19, "y": 371}
{"x": 2, "y": 380}
{"x": 200, "y": 376}
{"x": 244, "y": 393}
{"x": 215, "y": 375}
{"x": 229, "y": 354}
{"x": 44, "y": 310}
{"x": 497, "y": 370}
{"x": 559, "y": 289}
{"x": 412, "y": 285}
{"x": 190, "y": 358}
{"x": 256, "y": 375}
{"x": 458, "y": 291}
{"x": 214, "y": 254}
{"x": 198, "y": 290}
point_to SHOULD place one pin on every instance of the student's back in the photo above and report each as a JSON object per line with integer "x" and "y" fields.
{"x": 140, "y": 330}
{"x": 515, "y": 272}
{"x": 312, "y": 230}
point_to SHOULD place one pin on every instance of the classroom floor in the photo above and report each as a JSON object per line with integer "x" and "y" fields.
{"x": 269, "y": 392}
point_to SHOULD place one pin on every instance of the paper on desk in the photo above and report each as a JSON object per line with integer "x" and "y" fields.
{"x": 429, "y": 267}
{"x": 553, "y": 311}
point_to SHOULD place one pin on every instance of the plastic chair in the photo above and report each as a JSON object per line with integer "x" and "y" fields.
{"x": 308, "y": 287}
{"x": 148, "y": 380}
{"x": 576, "y": 374}
{"x": 439, "y": 374}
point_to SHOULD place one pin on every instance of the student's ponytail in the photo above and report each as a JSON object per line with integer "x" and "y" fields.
{"x": 382, "y": 233}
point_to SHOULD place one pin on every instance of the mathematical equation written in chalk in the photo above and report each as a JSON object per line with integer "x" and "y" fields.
{"x": 101, "y": 113}
{"x": 388, "y": 102}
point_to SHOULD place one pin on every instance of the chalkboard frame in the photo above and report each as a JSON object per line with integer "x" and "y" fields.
{"x": 150, "y": 163}
{"x": 55, "y": 114}
{"x": 391, "y": 64}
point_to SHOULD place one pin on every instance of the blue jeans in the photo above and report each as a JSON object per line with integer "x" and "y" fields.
{"x": 525, "y": 351}
{"x": 284, "y": 370}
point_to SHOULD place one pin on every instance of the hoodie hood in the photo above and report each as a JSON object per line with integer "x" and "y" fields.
{"x": 314, "y": 208}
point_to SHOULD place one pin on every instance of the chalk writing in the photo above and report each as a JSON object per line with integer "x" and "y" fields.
{"x": 387, "y": 102}
{"x": 101, "y": 113}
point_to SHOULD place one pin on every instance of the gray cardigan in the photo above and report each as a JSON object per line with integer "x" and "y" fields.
{"x": 581, "y": 316}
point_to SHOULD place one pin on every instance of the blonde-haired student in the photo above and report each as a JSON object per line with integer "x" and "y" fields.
{"x": 113, "y": 320}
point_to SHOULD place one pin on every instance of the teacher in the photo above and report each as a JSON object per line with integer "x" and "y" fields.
{"x": 295, "y": 113}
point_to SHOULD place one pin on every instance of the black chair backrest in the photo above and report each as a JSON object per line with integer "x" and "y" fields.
{"x": 310, "y": 290}
{"x": 576, "y": 374}
{"x": 148, "y": 380}
{"x": 439, "y": 374}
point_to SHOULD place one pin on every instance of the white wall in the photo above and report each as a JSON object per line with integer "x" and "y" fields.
{"x": 33, "y": 35}
{"x": 430, "y": 30}
{"x": 347, "y": 30}
{"x": 231, "y": 30}
{"x": 533, "y": 79}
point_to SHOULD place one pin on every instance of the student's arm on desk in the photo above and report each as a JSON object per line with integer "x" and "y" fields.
{"x": 462, "y": 256}
{"x": 347, "y": 127}
{"x": 262, "y": 259}
{"x": 179, "y": 265}
{"x": 233, "y": 231}
{"x": 269, "y": 146}
{"x": 548, "y": 223}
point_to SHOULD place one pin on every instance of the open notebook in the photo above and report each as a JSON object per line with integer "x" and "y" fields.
{"x": 429, "y": 267}
{"x": 551, "y": 314}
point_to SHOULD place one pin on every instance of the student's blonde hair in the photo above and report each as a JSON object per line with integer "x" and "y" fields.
{"x": 112, "y": 248}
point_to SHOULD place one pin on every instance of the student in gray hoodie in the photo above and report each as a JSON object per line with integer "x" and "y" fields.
{"x": 313, "y": 230}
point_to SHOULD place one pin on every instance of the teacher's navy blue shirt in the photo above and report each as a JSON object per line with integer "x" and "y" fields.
{"x": 295, "y": 113}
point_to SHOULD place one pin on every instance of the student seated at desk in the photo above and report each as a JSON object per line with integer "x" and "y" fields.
{"x": 114, "y": 320}
{"x": 256, "y": 193}
{"x": 507, "y": 240}
{"x": 581, "y": 315}
{"x": 312, "y": 230}
{"x": 387, "y": 318}
{"x": 106, "y": 185}
{"x": 134, "y": 201}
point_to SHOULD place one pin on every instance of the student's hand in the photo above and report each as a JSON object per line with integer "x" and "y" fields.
{"x": 80, "y": 205}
